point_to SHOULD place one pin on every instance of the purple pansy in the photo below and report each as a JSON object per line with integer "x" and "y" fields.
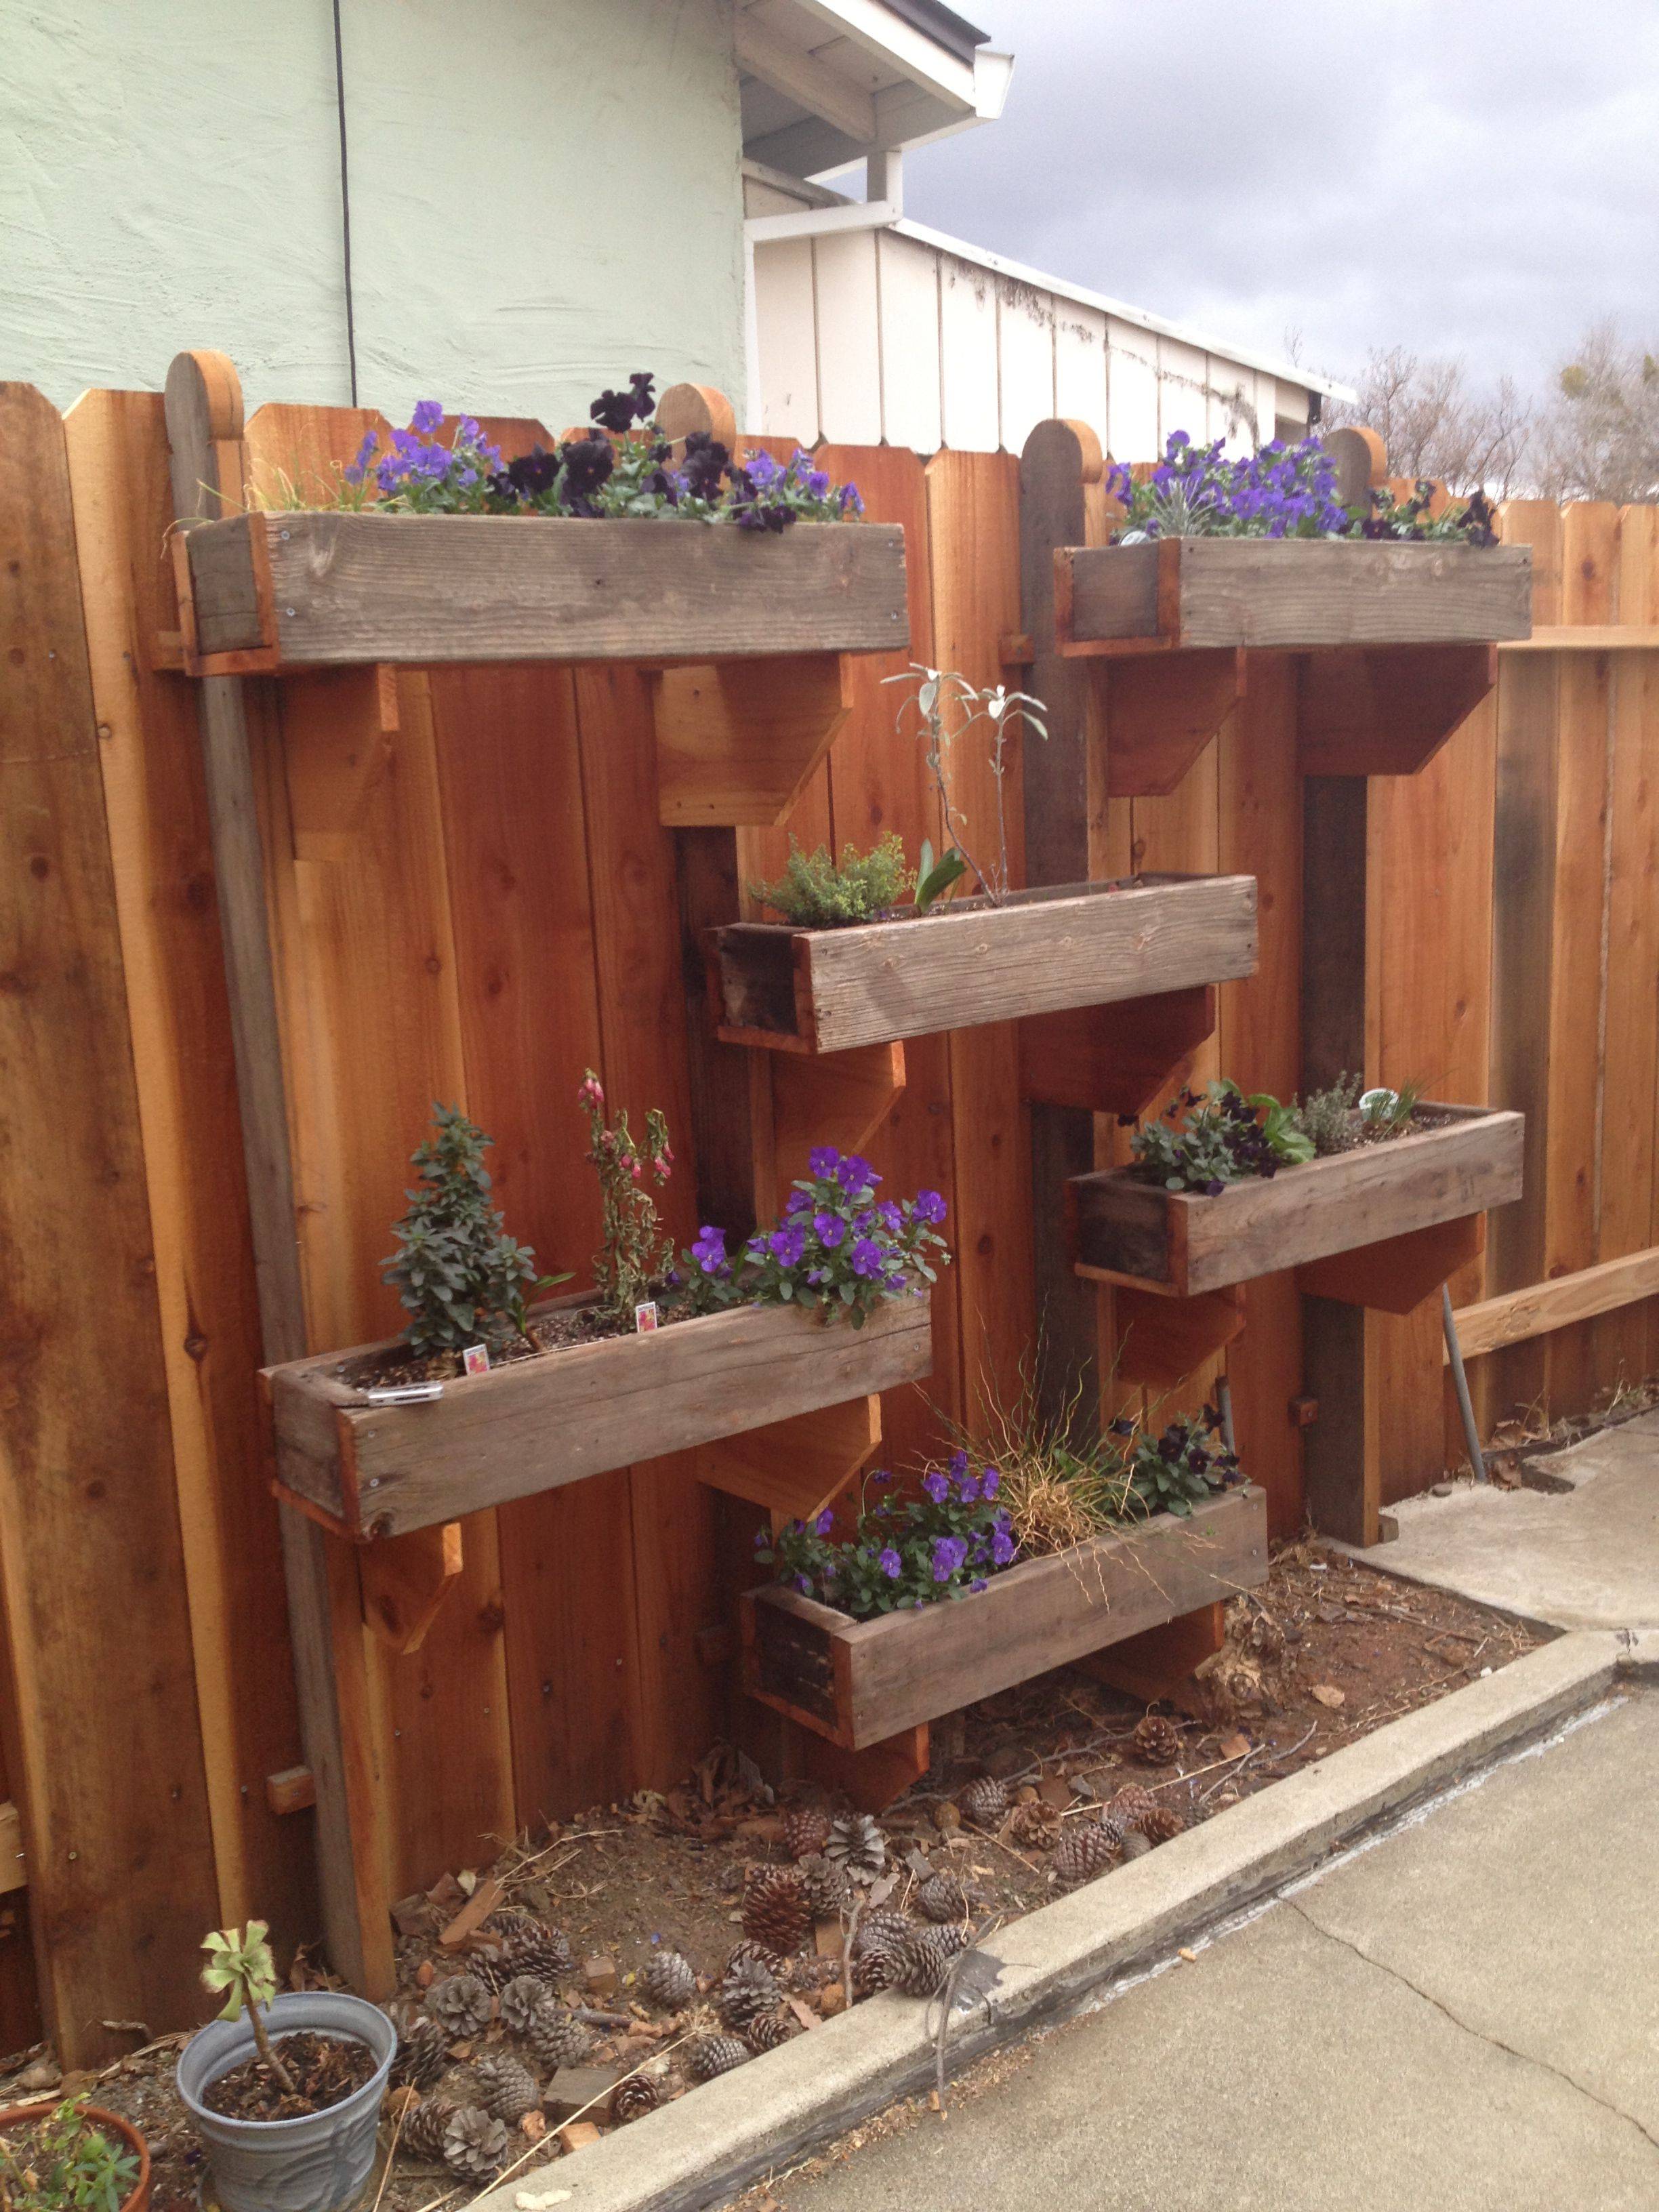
{"x": 929, "y": 1206}
{"x": 823, "y": 1160}
{"x": 890, "y": 1563}
{"x": 936, "y": 1485}
{"x": 787, "y": 1245}
{"x": 866, "y": 1257}
{"x": 830, "y": 1228}
{"x": 708, "y": 1249}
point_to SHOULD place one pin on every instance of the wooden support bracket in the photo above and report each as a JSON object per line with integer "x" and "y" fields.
{"x": 1386, "y": 710}
{"x": 795, "y": 1467}
{"x": 1397, "y": 1272}
{"x": 1163, "y": 1340}
{"x": 738, "y": 740}
{"x": 406, "y": 1581}
{"x": 839, "y": 1099}
{"x": 337, "y": 728}
{"x": 1159, "y": 711}
{"x": 1114, "y": 1059}
{"x": 872, "y": 1778}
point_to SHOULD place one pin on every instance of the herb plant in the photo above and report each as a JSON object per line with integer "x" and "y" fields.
{"x": 1384, "y": 1113}
{"x": 1327, "y": 1116}
{"x": 814, "y": 892}
{"x": 637, "y": 1253}
{"x": 839, "y": 1250}
{"x": 62, "y": 2163}
{"x": 947, "y": 708}
{"x": 623, "y": 467}
{"x": 1224, "y": 1138}
{"x": 240, "y": 1964}
{"x": 902, "y": 1555}
{"x": 459, "y": 1277}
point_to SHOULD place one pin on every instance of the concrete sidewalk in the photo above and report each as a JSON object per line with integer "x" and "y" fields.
{"x": 1585, "y": 1556}
{"x": 1464, "y": 2018}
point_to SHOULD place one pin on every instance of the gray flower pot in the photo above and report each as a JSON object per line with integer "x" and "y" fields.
{"x": 316, "y": 2164}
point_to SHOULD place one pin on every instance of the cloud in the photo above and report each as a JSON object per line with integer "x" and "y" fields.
{"x": 1478, "y": 177}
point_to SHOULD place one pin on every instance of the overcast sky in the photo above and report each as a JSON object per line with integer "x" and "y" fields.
{"x": 1478, "y": 177}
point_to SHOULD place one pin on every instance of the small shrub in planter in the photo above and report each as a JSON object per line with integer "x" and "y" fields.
{"x": 71, "y": 2157}
{"x": 1227, "y": 1136}
{"x": 285, "y": 2091}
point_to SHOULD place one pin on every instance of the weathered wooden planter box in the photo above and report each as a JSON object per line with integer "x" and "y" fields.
{"x": 1132, "y": 1232}
{"x": 859, "y": 1681}
{"x": 535, "y": 1424}
{"x": 317, "y": 590}
{"x": 1293, "y": 593}
{"x": 1039, "y": 951}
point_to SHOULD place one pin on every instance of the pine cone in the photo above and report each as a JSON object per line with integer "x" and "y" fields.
{"x": 1135, "y": 1845}
{"x": 984, "y": 1803}
{"x": 425, "y": 2128}
{"x": 558, "y": 2039}
{"x": 422, "y": 2055}
{"x": 474, "y": 2146}
{"x": 941, "y": 1897}
{"x": 878, "y": 1932}
{"x": 521, "y": 1999}
{"x": 761, "y": 1954}
{"x": 668, "y": 1980}
{"x": 805, "y": 1832}
{"x": 633, "y": 2099}
{"x": 810, "y": 1972}
{"x": 856, "y": 1844}
{"x": 507, "y": 2088}
{"x": 918, "y": 1964}
{"x": 873, "y": 1973}
{"x": 747, "y": 1990}
{"x": 461, "y": 2004}
{"x": 1086, "y": 1847}
{"x": 1130, "y": 1807}
{"x": 774, "y": 1910}
{"x": 532, "y": 1946}
{"x": 1157, "y": 1740}
{"x": 1161, "y": 1824}
{"x": 1035, "y": 1826}
{"x": 826, "y": 1886}
{"x": 714, "y": 2054}
{"x": 767, "y": 2032}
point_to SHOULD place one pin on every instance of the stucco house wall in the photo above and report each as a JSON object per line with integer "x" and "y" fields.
{"x": 543, "y": 197}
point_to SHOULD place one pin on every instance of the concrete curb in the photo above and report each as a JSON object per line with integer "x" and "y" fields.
{"x": 708, "y": 2147}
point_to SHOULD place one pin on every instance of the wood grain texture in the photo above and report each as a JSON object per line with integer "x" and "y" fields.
{"x": 1181, "y": 1241}
{"x": 426, "y": 588}
{"x": 858, "y": 1682}
{"x": 160, "y": 850}
{"x": 1116, "y": 1060}
{"x": 534, "y": 1425}
{"x": 1293, "y": 593}
{"x": 105, "y": 1757}
{"x": 971, "y": 962}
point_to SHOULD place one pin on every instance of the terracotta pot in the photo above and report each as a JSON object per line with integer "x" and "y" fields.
{"x": 106, "y": 2122}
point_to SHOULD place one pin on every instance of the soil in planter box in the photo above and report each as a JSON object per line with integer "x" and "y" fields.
{"x": 941, "y": 909}
{"x": 1362, "y": 1132}
{"x": 557, "y": 1332}
{"x": 327, "y": 2068}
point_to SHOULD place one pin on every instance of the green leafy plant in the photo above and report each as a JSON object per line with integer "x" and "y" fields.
{"x": 1184, "y": 1464}
{"x": 459, "y": 1277}
{"x": 816, "y": 892}
{"x": 637, "y": 1253}
{"x": 1327, "y": 1116}
{"x": 241, "y": 1966}
{"x": 1345, "y": 1114}
{"x": 1224, "y": 1137}
{"x": 946, "y": 709}
{"x": 63, "y": 2163}
{"x": 936, "y": 879}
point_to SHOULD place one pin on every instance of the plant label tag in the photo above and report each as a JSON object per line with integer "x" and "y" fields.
{"x": 404, "y": 1394}
{"x": 474, "y": 1358}
{"x": 647, "y": 1318}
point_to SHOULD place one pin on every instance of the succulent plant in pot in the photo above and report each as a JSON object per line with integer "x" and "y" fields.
{"x": 285, "y": 2091}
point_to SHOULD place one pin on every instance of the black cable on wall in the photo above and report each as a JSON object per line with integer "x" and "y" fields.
{"x": 345, "y": 204}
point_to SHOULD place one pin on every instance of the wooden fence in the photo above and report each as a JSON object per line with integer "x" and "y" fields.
{"x": 482, "y": 906}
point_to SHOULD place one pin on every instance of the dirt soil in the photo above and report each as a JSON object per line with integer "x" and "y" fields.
{"x": 323, "y": 2068}
{"x": 1325, "y": 1652}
